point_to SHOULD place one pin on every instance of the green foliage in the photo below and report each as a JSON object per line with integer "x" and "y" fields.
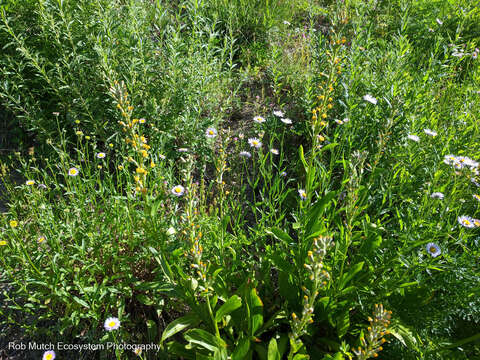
{"x": 243, "y": 179}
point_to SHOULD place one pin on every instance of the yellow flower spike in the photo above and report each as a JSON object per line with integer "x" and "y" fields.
{"x": 120, "y": 167}
{"x": 130, "y": 108}
{"x": 330, "y": 99}
{"x": 322, "y": 123}
{"x": 143, "y": 139}
{"x": 329, "y": 106}
{"x": 145, "y": 146}
{"x": 144, "y": 153}
{"x": 152, "y": 164}
{"x": 137, "y": 189}
{"x": 294, "y": 316}
{"x": 324, "y": 116}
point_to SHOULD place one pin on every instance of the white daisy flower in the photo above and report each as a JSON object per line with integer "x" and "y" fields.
{"x": 286, "y": 121}
{"x": 29, "y": 182}
{"x": 439, "y": 22}
{"x": 254, "y": 142}
{"x": 278, "y": 113}
{"x": 111, "y": 324}
{"x": 101, "y": 155}
{"x": 73, "y": 171}
{"x": 413, "y": 137}
{"x": 430, "y": 132}
{"x": 183, "y": 150}
{"x": 245, "y": 154}
{"x": 274, "y": 151}
{"x": 48, "y": 355}
{"x": 339, "y": 122}
{"x": 283, "y": 173}
{"x": 370, "y": 99}
{"x": 346, "y": 120}
{"x": 259, "y": 119}
{"x": 466, "y": 221}
{"x": 178, "y": 190}
{"x": 302, "y": 194}
{"x": 211, "y": 133}
{"x": 437, "y": 195}
{"x": 433, "y": 249}
{"x": 477, "y": 197}
{"x": 162, "y": 157}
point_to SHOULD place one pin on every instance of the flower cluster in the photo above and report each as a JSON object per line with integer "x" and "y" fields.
{"x": 319, "y": 278}
{"x": 373, "y": 341}
{"x": 139, "y": 155}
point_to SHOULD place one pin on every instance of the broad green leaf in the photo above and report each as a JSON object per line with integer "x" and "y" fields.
{"x": 242, "y": 349}
{"x": 230, "y": 305}
{"x": 280, "y": 235}
{"x": 351, "y": 273}
{"x": 316, "y": 212}
{"x": 273, "y": 353}
{"x": 255, "y": 308}
{"x": 205, "y": 339}
{"x": 81, "y": 302}
{"x": 343, "y": 323}
{"x": 178, "y": 325}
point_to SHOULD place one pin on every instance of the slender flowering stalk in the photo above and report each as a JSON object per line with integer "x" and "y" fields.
{"x": 373, "y": 341}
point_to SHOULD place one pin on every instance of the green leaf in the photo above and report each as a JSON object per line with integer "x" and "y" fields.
{"x": 280, "y": 235}
{"x": 242, "y": 349}
{"x": 255, "y": 308}
{"x": 343, "y": 323}
{"x": 81, "y": 302}
{"x": 273, "y": 353}
{"x": 302, "y": 157}
{"x": 351, "y": 273}
{"x": 230, "y": 305}
{"x": 204, "y": 339}
{"x": 315, "y": 214}
{"x": 178, "y": 325}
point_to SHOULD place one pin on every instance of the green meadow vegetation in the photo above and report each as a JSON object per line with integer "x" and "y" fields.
{"x": 240, "y": 179}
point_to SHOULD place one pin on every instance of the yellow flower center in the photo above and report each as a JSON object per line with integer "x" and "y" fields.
{"x": 433, "y": 249}
{"x": 49, "y": 357}
{"x": 3, "y": 243}
{"x": 178, "y": 190}
{"x": 111, "y": 324}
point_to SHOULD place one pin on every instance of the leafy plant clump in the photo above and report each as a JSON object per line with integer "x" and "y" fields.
{"x": 240, "y": 180}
